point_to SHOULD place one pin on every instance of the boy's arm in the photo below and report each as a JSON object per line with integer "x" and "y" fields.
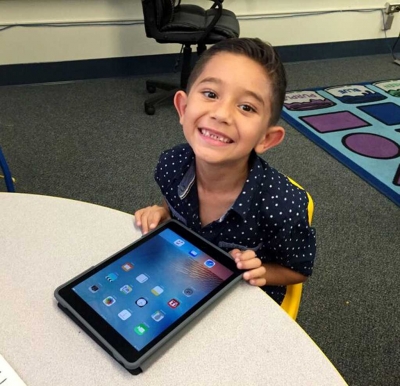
{"x": 148, "y": 218}
{"x": 279, "y": 275}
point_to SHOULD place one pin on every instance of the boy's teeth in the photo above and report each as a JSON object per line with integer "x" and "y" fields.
{"x": 207, "y": 133}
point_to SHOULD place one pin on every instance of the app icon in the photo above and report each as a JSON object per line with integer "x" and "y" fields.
{"x": 94, "y": 288}
{"x": 179, "y": 242}
{"x": 173, "y": 303}
{"x": 188, "y": 291}
{"x": 209, "y": 263}
{"x": 124, "y": 314}
{"x": 126, "y": 289}
{"x": 111, "y": 277}
{"x": 157, "y": 316}
{"x": 109, "y": 301}
{"x": 193, "y": 253}
{"x": 142, "y": 278}
{"x": 157, "y": 290}
{"x": 141, "y": 302}
{"x": 127, "y": 267}
{"x": 141, "y": 329}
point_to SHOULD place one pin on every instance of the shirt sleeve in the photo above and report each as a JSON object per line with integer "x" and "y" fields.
{"x": 161, "y": 171}
{"x": 298, "y": 247}
{"x": 293, "y": 246}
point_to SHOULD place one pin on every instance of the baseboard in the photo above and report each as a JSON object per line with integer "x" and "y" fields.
{"x": 86, "y": 69}
{"x": 336, "y": 50}
{"x": 156, "y": 64}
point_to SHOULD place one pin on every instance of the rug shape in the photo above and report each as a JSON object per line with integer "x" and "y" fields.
{"x": 358, "y": 124}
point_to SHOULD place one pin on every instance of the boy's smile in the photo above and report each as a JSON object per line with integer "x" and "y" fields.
{"x": 214, "y": 137}
{"x": 227, "y": 111}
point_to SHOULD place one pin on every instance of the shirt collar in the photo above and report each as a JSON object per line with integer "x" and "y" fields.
{"x": 187, "y": 181}
{"x": 242, "y": 205}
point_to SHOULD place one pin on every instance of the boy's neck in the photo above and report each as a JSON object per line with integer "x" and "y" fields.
{"x": 221, "y": 178}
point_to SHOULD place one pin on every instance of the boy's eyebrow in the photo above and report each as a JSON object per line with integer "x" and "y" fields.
{"x": 248, "y": 92}
{"x": 211, "y": 79}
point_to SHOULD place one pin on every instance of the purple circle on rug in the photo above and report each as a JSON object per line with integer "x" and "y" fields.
{"x": 371, "y": 145}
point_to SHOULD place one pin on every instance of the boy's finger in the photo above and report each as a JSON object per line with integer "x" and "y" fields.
{"x": 247, "y": 255}
{"x": 145, "y": 228}
{"x": 258, "y": 282}
{"x": 249, "y": 264}
{"x": 235, "y": 253}
{"x": 138, "y": 216}
{"x": 152, "y": 220}
{"x": 254, "y": 274}
{"x": 145, "y": 222}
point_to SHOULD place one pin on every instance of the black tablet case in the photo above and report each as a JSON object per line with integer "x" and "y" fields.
{"x": 69, "y": 314}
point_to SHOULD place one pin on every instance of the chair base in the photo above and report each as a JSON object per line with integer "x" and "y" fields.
{"x": 151, "y": 87}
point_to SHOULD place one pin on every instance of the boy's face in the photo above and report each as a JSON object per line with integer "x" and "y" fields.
{"x": 226, "y": 114}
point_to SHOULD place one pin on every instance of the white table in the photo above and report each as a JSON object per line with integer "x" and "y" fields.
{"x": 245, "y": 339}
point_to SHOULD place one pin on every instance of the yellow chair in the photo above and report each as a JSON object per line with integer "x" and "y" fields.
{"x": 291, "y": 302}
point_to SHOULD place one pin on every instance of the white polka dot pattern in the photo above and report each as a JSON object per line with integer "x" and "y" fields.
{"x": 269, "y": 216}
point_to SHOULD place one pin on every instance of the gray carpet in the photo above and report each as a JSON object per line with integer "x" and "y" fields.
{"x": 91, "y": 141}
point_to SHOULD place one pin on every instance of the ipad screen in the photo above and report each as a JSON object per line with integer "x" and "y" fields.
{"x": 149, "y": 288}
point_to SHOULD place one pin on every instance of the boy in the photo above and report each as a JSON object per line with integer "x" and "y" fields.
{"x": 217, "y": 184}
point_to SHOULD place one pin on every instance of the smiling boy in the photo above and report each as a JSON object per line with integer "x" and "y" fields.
{"x": 218, "y": 186}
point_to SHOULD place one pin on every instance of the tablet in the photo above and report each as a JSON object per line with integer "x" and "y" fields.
{"x": 136, "y": 300}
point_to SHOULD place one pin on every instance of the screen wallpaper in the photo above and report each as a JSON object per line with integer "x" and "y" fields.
{"x": 146, "y": 290}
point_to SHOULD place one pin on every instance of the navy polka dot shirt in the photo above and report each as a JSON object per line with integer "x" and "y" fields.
{"x": 269, "y": 216}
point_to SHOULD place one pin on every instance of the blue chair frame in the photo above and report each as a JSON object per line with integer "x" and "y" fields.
{"x": 6, "y": 172}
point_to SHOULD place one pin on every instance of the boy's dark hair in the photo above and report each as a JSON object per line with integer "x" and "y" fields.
{"x": 261, "y": 52}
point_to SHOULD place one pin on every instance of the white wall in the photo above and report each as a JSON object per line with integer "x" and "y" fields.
{"x": 37, "y": 43}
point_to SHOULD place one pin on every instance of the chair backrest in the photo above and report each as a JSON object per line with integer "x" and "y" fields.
{"x": 310, "y": 208}
{"x": 156, "y": 14}
{"x": 291, "y": 302}
{"x": 167, "y": 21}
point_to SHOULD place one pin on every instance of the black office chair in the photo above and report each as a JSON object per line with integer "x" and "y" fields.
{"x": 169, "y": 21}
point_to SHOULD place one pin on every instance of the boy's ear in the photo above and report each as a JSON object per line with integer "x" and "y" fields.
{"x": 273, "y": 137}
{"x": 180, "y": 102}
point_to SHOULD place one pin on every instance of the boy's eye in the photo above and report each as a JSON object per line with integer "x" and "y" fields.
{"x": 247, "y": 108}
{"x": 210, "y": 94}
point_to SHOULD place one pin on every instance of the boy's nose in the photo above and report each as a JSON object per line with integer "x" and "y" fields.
{"x": 222, "y": 112}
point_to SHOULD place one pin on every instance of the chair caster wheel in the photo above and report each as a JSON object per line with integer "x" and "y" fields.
{"x": 150, "y": 89}
{"x": 149, "y": 110}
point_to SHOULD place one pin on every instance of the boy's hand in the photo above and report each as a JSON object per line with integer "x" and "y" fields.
{"x": 248, "y": 260}
{"x": 148, "y": 218}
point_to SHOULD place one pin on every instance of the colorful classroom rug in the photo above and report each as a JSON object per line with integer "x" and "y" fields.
{"x": 358, "y": 124}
